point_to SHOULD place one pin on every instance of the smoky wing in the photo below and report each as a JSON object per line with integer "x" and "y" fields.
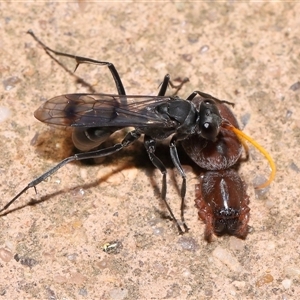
{"x": 103, "y": 110}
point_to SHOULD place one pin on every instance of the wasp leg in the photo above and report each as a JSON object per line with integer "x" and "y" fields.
{"x": 177, "y": 164}
{"x": 167, "y": 82}
{"x": 150, "y": 145}
{"x": 129, "y": 139}
{"x": 204, "y": 95}
{"x": 80, "y": 60}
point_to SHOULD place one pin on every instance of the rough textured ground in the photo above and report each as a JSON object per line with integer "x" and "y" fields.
{"x": 247, "y": 53}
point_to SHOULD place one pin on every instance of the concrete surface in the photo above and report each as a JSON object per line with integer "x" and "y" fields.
{"x": 247, "y": 53}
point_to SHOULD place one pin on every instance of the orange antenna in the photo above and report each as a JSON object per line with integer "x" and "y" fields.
{"x": 242, "y": 135}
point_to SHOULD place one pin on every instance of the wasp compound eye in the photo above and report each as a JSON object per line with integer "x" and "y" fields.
{"x": 210, "y": 120}
{"x": 209, "y": 131}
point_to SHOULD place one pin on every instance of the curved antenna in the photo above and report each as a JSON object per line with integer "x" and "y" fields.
{"x": 242, "y": 135}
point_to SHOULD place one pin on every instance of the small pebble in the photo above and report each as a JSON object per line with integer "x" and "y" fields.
{"x": 296, "y": 86}
{"x": 72, "y": 257}
{"x": 77, "y": 278}
{"x": 240, "y": 285}
{"x": 4, "y": 113}
{"x": 10, "y": 82}
{"x": 265, "y": 279}
{"x": 293, "y": 272}
{"x": 228, "y": 259}
{"x": 83, "y": 292}
{"x": 286, "y": 283}
{"x": 5, "y": 255}
{"x": 118, "y": 294}
{"x": 188, "y": 243}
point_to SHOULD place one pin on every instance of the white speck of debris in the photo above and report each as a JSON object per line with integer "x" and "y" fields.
{"x": 158, "y": 230}
{"x": 57, "y": 181}
{"x": 286, "y": 283}
{"x": 4, "y": 113}
{"x": 83, "y": 173}
{"x": 204, "y": 49}
{"x": 186, "y": 273}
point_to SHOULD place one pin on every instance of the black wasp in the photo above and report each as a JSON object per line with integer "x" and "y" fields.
{"x": 96, "y": 116}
